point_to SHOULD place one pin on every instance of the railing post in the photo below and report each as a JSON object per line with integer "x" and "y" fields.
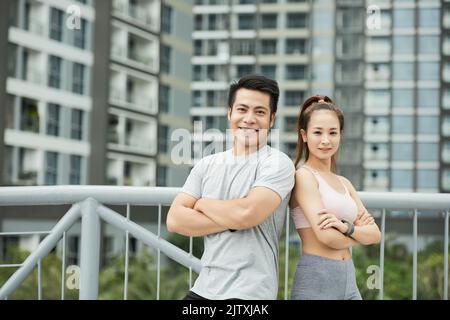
{"x": 447, "y": 213}
{"x": 383, "y": 238}
{"x": 414, "y": 294}
{"x": 90, "y": 250}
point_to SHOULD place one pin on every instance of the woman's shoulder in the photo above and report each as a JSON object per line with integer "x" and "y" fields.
{"x": 347, "y": 182}
{"x": 304, "y": 176}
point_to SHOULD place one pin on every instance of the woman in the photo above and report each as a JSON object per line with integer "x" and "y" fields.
{"x": 327, "y": 212}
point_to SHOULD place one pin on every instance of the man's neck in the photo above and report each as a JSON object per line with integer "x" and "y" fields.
{"x": 246, "y": 150}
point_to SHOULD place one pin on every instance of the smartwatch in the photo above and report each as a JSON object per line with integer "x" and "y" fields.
{"x": 351, "y": 227}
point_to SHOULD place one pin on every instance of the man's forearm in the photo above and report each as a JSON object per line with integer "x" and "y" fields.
{"x": 229, "y": 213}
{"x": 190, "y": 222}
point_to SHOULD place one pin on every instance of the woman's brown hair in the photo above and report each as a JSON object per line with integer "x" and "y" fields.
{"x": 314, "y": 103}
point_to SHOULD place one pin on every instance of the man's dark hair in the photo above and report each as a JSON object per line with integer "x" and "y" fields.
{"x": 258, "y": 83}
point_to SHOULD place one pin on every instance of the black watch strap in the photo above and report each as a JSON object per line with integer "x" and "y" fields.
{"x": 351, "y": 227}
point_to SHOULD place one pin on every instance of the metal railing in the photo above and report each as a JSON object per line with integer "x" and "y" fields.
{"x": 88, "y": 204}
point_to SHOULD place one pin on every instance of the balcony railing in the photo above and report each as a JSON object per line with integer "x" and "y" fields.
{"x": 88, "y": 204}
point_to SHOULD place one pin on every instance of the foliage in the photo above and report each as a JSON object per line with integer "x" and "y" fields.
{"x": 50, "y": 275}
{"x": 174, "y": 278}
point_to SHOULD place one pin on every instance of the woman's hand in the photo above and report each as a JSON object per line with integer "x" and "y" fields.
{"x": 364, "y": 218}
{"x": 328, "y": 220}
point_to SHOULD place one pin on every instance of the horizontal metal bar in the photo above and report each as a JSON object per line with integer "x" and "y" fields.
{"x": 22, "y": 233}
{"x": 14, "y": 265}
{"x": 405, "y": 201}
{"x": 119, "y": 195}
{"x": 58, "y": 195}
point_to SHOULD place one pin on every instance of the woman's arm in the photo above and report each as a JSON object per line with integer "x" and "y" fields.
{"x": 306, "y": 193}
{"x": 366, "y": 231}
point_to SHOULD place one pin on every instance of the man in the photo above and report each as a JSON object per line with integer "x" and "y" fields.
{"x": 237, "y": 199}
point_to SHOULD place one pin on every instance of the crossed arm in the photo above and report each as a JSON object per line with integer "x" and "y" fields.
{"x": 327, "y": 228}
{"x": 198, "y": 217}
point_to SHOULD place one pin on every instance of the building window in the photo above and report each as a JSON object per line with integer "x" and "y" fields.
{"x": 428, "y": 125}
{"x": 403, "y": 44}
{"x": 297, "y": 20}
{"x": 53, "y": 112}
{"x": 403, "y": 98}
{"x": 428, "y": 151}
{"x": 246, "y": 21}
{"x": 51, "y": 168}
{"x": 427, "y": 179}
{"x": 269, "y": 46}
{"x": 166, "y": 57}
{"x": 162, "y": 177}
{"x": 350, "y": 45}
{"x": 402, "y": 70}
{"x": 429, "y": 71}
{"x": 429, "y": 18}
{"x": 291, "y": 149}
{"x": 350, "y": 19}
{"x": 243, "y": 47}
{"x": 79, "y": 39}
{"x": 290, "y": 124}
{"x": 166, "y": 19}
{"x": 244, "y": 69}
{"x": 163, "y": 140}
{"x": 164, "y": 99}
{"x": 269, "y": 71}
{"x": 429, "y": 44}
{"x": 402, "y": 124}
{"x": 295, "y": 72}
{"x": 269, "y": 21}
{"x": 56, "y": 24}
{"x": 78, "y": 78}
{"x": 54, "y": 77}
{"x": 198, "y": 47}
{"x": 293, "y": 98}
{"x": 428, "y": 98}
{"x": 402, "y": 179}
{"x": 295, "y": 46}
{"x": 404, "y": 18}
{"x": 27, "y": 173}
{"x": 76, "y": 131}
{"x": 197, "y": 98}
{"x": 29, "y": 119}
{"x": 75, "y": 169}
{"x": 402, "y": 151}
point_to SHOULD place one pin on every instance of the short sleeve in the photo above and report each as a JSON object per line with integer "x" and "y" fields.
{"x": 193, "y": 184}
{"x": 277, "y": 172}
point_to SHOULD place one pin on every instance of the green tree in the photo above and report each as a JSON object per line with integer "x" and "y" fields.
{"x": 50, "y": 277}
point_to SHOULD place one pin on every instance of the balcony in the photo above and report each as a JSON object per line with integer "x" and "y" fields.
{"x": 88, "y": 204}
{"x": 139, "y": 13}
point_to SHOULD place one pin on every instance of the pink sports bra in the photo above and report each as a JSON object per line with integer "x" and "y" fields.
{"x": 341, "y": 205}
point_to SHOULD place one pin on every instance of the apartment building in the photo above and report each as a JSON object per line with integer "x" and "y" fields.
{"x": 91, "y": 91}
{"x": 380, "y": 60}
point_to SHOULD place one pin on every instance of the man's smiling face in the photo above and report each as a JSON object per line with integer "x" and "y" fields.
{"x": 250, "y": 120}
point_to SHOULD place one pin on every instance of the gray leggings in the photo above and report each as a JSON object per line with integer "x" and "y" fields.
{"x": 319, "y": 278}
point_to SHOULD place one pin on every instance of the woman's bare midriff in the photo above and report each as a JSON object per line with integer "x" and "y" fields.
{"x": 311, "y": 245}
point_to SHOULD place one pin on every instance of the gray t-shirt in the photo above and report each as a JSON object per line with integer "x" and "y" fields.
{"x": 242, "y": 264}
